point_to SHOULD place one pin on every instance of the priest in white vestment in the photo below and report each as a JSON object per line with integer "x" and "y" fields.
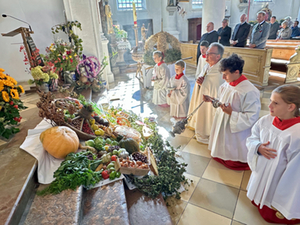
{"x": 274, "y": 158}
{"x": 234, "y": 119}
{"x": 208, "y": 83}
{"x": 161, "y": 76}
{"x": 179, "y": 96}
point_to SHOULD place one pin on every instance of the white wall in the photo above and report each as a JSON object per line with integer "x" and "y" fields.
{"x": 41, "y": 15}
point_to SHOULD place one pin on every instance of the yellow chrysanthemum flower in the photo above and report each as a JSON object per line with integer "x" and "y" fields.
{"x": 22, "y": 89}
{"x": 5, "y": 96}
{"x": 14, "y": 93}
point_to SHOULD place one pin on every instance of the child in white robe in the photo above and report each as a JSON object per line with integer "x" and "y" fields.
{"x": 179, "y": 97}
{"x": 234, "y": 119}
{"x": 196, "y": 99}
{"x": 161, "y": 76}
{"x": 274, "y": 158}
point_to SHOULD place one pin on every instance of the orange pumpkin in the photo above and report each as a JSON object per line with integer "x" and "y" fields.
{"x": 59, "y": 141}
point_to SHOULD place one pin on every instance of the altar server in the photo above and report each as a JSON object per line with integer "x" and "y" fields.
{"x": 202, "y": 58}
{"x": 179, "y": 96}
{"x": 161, "y": 76}
{"x": 234, "y": 119}
{"x": 207, "y": 83}
{"x": 274, "y": 158}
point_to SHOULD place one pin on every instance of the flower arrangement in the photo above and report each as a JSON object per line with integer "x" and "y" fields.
{"x": 42, "y": 75}
{"x": 10, "y": 105}
{"x": 120, "y": 34}
{"x": 62, "y": 56}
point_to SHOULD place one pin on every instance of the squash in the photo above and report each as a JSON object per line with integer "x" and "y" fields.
{"x": 59, "y": 141}
{"x": 130, "y": 145}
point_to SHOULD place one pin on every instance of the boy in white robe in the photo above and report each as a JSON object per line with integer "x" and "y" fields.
{"x": 233, "y": 121}
{"x": 179, "y": 97}
{"x": 274, "y": 158}
{"x": 195, "y": 100}
{"x": 161, "y": 76}
{"x": 207, "y": 83}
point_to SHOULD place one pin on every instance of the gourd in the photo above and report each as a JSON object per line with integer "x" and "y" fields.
{"x": 130, "y": 145}
{"x": 59, "y": 141}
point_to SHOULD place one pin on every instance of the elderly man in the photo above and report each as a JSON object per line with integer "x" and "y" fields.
{"x": 207, "y": 83}
{"x": 211, "y": 36}
{"x": 241, "y": 32}
{"x": 260, "y": 32}
{"x": 224, "y": 33}
{"x": 274, "y": 28}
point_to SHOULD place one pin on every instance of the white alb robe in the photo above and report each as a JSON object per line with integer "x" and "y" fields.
{"x": 229, "y": 132}
{"x": 180, "y": 97}
{"x": 275, "y": 182}
{"x": 201, "y": 63}
{"x": 162, "y": 74}
{"x": 203, "y": 118}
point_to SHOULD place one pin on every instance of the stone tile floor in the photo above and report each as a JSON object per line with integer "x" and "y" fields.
{"x": 217, "y": 195}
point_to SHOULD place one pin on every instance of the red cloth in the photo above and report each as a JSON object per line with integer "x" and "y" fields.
{"x": 164, "y": 105}
{"x": 178, "y": 76}
{"x": 236, "y": 82}
{"x": 204, "y": 56}
{"x": 269, "y": 215}
{"x": 161, "y": 62}
{"x": 285, "y": 124}
{"x": 233, "y": 165}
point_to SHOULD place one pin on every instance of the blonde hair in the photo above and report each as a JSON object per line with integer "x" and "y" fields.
{"x": 290, "y": 94}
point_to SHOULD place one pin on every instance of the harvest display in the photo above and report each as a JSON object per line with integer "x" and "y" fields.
{"x": 116, "y": 142}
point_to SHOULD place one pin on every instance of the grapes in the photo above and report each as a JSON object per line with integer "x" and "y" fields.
{"x": 137, "y": 156}
{"x": 111, "y": 148}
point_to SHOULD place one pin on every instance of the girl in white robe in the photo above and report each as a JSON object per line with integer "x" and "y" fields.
{"x": 161, "y": 76}
{"x": 195, "y": 101}
{"x": 232, "y": 123}
{"x": 274, "y": 158}
{"x": 179, "y": 97}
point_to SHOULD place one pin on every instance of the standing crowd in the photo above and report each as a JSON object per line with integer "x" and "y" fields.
{"x": 236, "y": 137}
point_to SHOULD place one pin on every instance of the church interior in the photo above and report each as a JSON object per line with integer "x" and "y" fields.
{"x": 109, "y": 61}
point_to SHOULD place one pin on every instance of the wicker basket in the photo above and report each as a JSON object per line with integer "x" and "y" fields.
{"x": 81, "y": 135}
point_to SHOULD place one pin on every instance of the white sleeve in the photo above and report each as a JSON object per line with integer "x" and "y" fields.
{"x": 250, "y": 107}
{"x": 252, "y": 143}
{"x": 178, "y": 96}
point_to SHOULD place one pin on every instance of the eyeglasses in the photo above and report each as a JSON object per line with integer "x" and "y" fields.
{"x": 211, "y": 53}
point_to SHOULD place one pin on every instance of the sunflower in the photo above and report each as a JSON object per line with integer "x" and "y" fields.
{"x": 12, "y": 80}
{"x": 2, "y": 70}
{"x": 2, "y": 75}
{"x": 1, "y": 87}
{"x": 14, "y": 93}
{"x": 22, "y": 89}
{"x": 8, "y": 83}
{"x": 5, "y": 96}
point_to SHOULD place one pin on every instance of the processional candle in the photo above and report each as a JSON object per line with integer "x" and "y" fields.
{"x": 134, "y": 14}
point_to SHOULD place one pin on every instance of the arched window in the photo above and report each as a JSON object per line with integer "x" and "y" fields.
{"x": 127, "y": 4}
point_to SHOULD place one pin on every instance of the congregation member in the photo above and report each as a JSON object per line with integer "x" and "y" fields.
{"x": 241, "y": 32}
{"x": 179, "y": 97}
{"x": 295, "y": 29}
{"x": 235, "y": 117}
{"x": 224, "y": 33}
{"x": 207, "y": 83}
{"x": 274, "y": 158}
{"x": 285, "y": 32}
{"x": 274, "y": 28}
{"x": 161, "y": 76}
{"x": 289, "y": 20}
{"x": 202, "y": 58}
{"x": 211, "y": 36}
{"x": 260, "y": 32}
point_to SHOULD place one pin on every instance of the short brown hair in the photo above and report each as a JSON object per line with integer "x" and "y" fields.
{"x": 180, "y": 63}
{"x": 290, "y": 94}
{"x": 159, "y": 53}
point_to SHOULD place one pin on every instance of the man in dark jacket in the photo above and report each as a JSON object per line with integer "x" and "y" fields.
{"x": 241, "y": 32}
{"x": 211, "y": 36}
{"x": 295, "y": 29}
{"x": 274, "y": 28}
{"x": 224, "y": 33}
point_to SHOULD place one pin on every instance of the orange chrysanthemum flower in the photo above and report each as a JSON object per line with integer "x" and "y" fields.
{"x": 5, "y": 96}
{"x": 14, "y": 93}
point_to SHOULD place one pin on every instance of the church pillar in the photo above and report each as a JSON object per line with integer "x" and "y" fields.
{"x": 169, "y": 18}
{"x": 94, "y": 43}
{"x": 213, "y": 11}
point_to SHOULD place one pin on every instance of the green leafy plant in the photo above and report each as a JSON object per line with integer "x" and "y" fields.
{"x": 120, "y": 34}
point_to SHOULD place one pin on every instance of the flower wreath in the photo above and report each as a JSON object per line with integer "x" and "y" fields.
{"x": 91, "y": 65}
